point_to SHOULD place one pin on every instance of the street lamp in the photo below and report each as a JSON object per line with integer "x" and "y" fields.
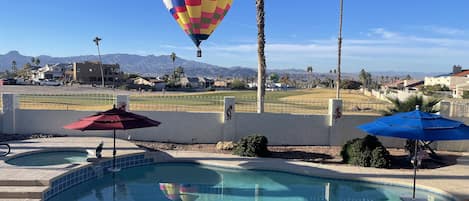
{"x": 96, "y": 41}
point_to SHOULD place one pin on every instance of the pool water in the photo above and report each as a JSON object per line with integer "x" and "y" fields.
{"x": 49, "y": 158}
{"x": 191, "y": 182}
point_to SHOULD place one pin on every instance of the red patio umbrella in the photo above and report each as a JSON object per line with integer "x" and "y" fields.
{"x": 113, "y": 119}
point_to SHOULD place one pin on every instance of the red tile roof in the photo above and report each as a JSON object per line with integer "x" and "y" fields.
{"x": 463, "y": 73}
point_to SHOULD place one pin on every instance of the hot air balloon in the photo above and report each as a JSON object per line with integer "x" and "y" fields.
{"x": 198, "y": 18}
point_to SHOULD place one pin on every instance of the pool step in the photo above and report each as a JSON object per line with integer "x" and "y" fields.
{"x": 21, "y": 183}
{"x": 19, "y": 199}
{"x": 29, "y": 192}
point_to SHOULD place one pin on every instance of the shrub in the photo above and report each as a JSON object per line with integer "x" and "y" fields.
{"x": 252, "y": 146}
{"x": 366, "y": 152}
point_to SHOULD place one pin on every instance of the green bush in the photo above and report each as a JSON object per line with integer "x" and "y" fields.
{"x": 366, "y": 152}
{"x": 252, "y": 146}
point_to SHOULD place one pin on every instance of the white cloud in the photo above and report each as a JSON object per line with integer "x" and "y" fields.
{"x": 382, "y": 48}
{"x": 445, "y": 30}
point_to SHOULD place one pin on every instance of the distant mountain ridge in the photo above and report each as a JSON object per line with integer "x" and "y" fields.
{"x": 160, "y": 65}
{"x": 151, "y": 64}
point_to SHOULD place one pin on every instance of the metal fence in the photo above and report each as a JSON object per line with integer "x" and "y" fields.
{"x": 176, "y": 103}
{"x": 89, "y": 102}
{"x": 191, "y": 103}
{"x": 354, "y": 107}
{"x": 282, "y": 105}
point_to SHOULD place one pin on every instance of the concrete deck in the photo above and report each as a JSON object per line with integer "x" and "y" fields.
{"x": 28, "y": 183}
{"x": 24, "y": 183}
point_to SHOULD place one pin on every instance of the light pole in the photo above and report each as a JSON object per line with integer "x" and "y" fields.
{"x": 339, "y": 49}
{"x": 96, "y": 41}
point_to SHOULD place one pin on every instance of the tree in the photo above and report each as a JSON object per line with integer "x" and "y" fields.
{"x": 309, "y": 70}
{"x": 410, "y": 104}
{"x": 274, "y": 77}
{"x": 14, "y": 69}
{"x": 25, "y": 71}
{"x": 350, "y": 84}
{"x": 173, "y": 58}
{"x": 238, "y": 84}
{"x": 261, "y": 56}
{"x": 37, "y": 62}
{"x": 465, "y": 94}
{"x": 179, "y": 72}
{"x": 408, "y": 77}
{"x": 285, "y": 80}
{"x": 365, "y": 78}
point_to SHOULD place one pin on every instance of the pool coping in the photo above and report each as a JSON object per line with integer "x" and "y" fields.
{"x": 159, "y": 157}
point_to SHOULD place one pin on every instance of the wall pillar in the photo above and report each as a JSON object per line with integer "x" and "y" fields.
{"x": 122, "y": 101}
{"x": 229, "y": 119}
{"x": 445, "y": 109}
{"x": 335, "y": 111}
{"x": 10, "y": 104}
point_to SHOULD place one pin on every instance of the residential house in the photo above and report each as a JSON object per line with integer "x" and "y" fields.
{"x": 52, "y": 71}
{"x": 458, "y": 76}
{"x": 191, "y": 82}
{"x": 460, "y": 89}
{"x": 206, "y": 82}
{"x": 222, "y": 83}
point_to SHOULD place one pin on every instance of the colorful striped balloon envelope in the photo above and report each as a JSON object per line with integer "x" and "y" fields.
{"x": 198, "y": 18}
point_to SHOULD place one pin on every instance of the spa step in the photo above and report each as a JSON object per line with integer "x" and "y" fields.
{"x": 21, "y": 183}
{"x": 31, "y": 192}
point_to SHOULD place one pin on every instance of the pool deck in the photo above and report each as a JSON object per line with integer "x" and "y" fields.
{"x": 21, "y": 183}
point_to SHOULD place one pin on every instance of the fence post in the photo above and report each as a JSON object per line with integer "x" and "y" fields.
{"x": 229, "y": 119}
{"x": 10, "y": 104}
{"x": 335, "y": 111}
{"x": 122, "y": 101}
{"x": 445, "y": 109}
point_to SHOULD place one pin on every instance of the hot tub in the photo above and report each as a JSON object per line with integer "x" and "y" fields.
{"x": 48, "y": 158}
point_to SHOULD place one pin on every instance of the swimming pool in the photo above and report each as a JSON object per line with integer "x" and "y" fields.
{"x": 191, "y": 182}
{"x": 49, "y": 158}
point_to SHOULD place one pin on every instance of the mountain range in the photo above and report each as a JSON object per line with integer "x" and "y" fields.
{"x": 150, "y": 65}
{"x": 160, "y": 65}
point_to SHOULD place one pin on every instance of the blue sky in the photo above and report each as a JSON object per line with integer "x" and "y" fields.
{"x": 399, "y": 35}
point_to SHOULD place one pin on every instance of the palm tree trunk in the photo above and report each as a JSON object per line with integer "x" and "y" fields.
{"x": 339, "y": 58}
{"x": 261, "y": 56}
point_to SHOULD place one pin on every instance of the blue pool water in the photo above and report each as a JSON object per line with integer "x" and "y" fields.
{"x": 191, "y": 182}
{"x": 49, "y": 158}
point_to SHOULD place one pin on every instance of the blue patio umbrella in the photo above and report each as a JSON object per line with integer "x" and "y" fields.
{"x": 417, "y": 125}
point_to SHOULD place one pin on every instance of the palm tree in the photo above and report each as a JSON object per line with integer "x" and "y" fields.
{"x": 339, "y": 58}
{"x": 261, "y": 55}
{"x": 309, "y": 70}
{"x": 408, "y": 105}
{"x": 173, "y": 58}
{"x": 14, "y": 69}
{"x": 36, "y": 61}
{"x": 96, "y": 41}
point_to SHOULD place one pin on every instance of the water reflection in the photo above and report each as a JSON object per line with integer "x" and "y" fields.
{"x": 189, "y": 182}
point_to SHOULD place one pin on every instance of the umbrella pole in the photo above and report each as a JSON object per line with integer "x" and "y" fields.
{"x": 114, "y": 152}
{"x": 415, "y": 166}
